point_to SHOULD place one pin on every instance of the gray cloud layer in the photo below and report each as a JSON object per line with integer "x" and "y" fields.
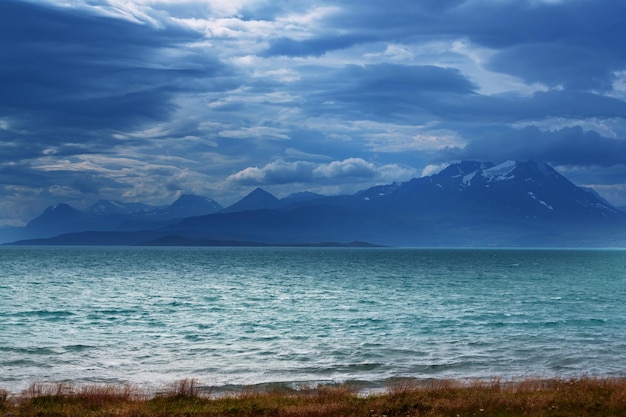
{"x": 143, "y": 100}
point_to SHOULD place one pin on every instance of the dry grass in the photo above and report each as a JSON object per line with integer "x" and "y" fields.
{"x": 581, "y": 397}
{"x": 4, "y": 397}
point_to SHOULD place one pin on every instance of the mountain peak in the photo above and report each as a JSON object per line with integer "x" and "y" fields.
{"x": 188, "y": 205}
{"x": 257, "y": 192}
{"x": 463, "y": 168}
{"x": 61, "y": 210}
{"x": 489, "y": 172}
{"x": 256, "y": 200}
{"x": 55, "y": 218}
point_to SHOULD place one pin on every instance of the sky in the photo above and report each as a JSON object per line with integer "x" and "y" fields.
{"x": 145, "y": 100}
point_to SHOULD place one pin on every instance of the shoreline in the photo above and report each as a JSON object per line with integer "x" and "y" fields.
{"x": 358, "y": 386}
{"x": 583, "y": 396}
{"x": 362, "y": 388}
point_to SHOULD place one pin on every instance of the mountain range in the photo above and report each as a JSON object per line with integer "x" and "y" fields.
{"x": 514, "y": 203}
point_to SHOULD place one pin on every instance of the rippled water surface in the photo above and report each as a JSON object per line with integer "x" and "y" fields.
{"x": 241, "y": 316}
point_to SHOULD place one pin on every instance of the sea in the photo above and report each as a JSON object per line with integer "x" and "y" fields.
{"x": 234, "y": 317}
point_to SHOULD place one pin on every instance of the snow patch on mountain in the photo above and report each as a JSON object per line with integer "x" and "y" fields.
{"x": 543, "y": 203}
{"x": 467, "y": 180}
{"x": 501, "y": 172}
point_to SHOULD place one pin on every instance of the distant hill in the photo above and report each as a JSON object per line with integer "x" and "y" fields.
{"x": 514, "y": 203}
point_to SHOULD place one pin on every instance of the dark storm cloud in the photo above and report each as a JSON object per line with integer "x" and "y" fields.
{"x": 396, "y": 19}
{"x": 417, "y": 91}
{"x": 71, "y": 69}
{"x": 91, "y": 183}
{"x": 23, "y": 175}
{"x": 20, "y": 174}
{"x": 579, "y": 105}
{"x": 369, "y": 22}
{"x": 311, "y": 47}
{"x": 407, "y": 79}
{"x": 567, "y": 146}
{"x": 513, "y": 108}
{"x": 389, "y": 90}
{"x": 574, "y": 44}
{"x": 558, "y": 65}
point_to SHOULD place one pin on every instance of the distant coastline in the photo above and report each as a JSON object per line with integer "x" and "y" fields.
{"x": 153, "y": 239}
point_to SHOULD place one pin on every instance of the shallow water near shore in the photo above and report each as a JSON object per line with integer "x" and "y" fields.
{"x": 231, "y": 317}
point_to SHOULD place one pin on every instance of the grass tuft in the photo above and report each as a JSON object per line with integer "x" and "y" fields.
{"x": 184, "y": 388}
{"x": 4, "y": 399}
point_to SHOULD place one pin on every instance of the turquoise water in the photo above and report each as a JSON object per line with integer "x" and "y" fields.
{"x": 244, "y": 316}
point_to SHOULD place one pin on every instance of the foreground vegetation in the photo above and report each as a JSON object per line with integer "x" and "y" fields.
{"x": 555, "y": 397}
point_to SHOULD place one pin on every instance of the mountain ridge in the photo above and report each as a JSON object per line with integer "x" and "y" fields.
{"x": 470, "y": 203}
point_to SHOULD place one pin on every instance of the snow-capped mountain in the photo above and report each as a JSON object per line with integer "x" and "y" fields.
{"x": 522, "y": 189}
